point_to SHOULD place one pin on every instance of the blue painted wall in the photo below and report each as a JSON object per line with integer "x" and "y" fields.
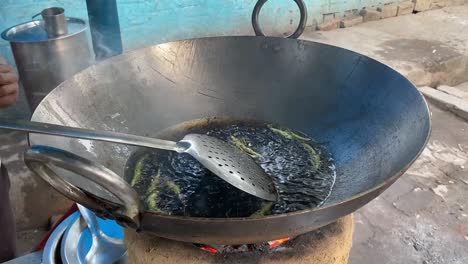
{"x": 146, "y": 22}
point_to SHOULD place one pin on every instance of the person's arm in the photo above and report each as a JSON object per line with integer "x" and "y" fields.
{"x": 8, "y": 95}
{"x": 8, "y": 84}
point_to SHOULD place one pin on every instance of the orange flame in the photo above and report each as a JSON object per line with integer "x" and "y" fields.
{"x": 209, "y": 249}
{"x": 278, "y": 242}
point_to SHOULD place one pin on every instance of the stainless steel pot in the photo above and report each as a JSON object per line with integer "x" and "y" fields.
{"x": 44, "y": 62}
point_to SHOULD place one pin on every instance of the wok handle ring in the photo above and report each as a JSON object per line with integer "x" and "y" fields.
{"x": 40, "y": 160}
{"x": 300, "y": 28}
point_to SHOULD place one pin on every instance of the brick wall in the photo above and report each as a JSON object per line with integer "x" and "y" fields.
{"x": 146, "y": 22}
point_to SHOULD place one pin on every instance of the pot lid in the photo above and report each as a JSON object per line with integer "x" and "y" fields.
{"x": 33, "y": 31}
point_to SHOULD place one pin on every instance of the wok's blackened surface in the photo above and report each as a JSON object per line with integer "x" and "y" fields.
{"x": 177, "y": 184}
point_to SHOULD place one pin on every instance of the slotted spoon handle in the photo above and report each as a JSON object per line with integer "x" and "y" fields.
{"x": 73, "y": 132}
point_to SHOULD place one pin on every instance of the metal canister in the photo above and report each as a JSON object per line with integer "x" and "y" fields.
{"x": 43, "y": 61}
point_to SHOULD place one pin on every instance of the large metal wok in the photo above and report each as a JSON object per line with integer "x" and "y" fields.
{"x": 372, "y": 119}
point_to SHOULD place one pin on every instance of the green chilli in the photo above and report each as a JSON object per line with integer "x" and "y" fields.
{"x": 314, "y": 156}
{"x": 266, "y": 207}
{"x": 152, "y": 193}
{"x": 243, "y": 145}
{"x": 173, "y": 187}
{"x": 152, "y": 201}
{"x": 154, "y": 183}
{"x": 288, "y": 134}
{"x": 138, "y": 171}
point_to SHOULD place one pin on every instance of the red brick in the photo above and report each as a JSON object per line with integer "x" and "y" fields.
{"x": 443, "y": 3}
{"x": 422, "y": 5}
{"x": 405, "y": 8}
{"x": 388, "y": 10}
{"x": 350, "y": 21}
{"x": 329, "y": 25}
{"x": 370, "y": 15}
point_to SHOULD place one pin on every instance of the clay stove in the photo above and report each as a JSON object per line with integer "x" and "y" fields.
{"x": 328, "y": 245}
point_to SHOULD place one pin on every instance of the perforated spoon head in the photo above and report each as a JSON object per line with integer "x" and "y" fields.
{"x": 230, "y": 164}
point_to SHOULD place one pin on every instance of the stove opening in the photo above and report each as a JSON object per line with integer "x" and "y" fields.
{"x": 265, "y": 246}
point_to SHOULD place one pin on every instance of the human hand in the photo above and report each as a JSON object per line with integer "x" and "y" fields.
{"x": 8, "y": 86}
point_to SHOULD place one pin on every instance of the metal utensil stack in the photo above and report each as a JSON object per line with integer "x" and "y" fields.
{"x": 72, "y": 241}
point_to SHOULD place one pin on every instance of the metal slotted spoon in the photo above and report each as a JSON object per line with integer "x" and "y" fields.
{"x": 228, "y": 162}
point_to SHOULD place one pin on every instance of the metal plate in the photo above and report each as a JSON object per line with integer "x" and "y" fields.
{"x": 52, "y": 245}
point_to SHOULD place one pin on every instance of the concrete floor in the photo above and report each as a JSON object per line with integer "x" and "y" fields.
{"x": 423, "y": 217}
